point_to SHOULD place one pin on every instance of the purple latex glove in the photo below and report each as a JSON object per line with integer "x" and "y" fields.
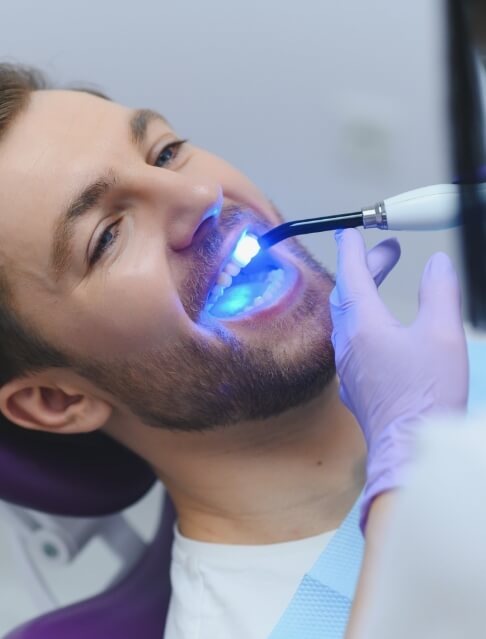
{"x": 392, "y": 376}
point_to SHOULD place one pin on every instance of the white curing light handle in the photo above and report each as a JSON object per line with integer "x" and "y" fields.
{"x": 430, "y": 208}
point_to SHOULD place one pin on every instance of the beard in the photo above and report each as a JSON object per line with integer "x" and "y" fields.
{"x": 218, "y": 378}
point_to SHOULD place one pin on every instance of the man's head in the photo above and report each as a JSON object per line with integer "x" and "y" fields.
{"x": 113, "y": 233}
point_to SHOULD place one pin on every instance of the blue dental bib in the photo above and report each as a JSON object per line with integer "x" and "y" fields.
{"x": 321, "y": 605}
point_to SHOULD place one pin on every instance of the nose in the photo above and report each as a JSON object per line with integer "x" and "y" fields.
{"x": 185, "y": 204}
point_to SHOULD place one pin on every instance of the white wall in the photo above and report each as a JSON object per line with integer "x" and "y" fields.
{"x": 328, "y": 105}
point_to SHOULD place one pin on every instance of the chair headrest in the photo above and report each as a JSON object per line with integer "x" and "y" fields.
{"x": 85, "y": 475}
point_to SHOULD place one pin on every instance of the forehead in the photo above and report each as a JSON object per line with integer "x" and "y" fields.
{"x": 60, "y": 140}
{"x": 53, "y": 126}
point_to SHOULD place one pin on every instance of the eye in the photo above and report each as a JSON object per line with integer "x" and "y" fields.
{"x": 105, "y": 241}
{"x": 169, "y": 153}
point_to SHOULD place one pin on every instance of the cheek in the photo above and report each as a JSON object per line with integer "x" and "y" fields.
{"x": 133, "y": 316}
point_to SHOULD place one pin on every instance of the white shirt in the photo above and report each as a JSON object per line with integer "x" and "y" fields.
{"x": 226, "y": 591}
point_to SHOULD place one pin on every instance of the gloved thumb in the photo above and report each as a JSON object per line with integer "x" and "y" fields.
{"x": 440, "y": 296}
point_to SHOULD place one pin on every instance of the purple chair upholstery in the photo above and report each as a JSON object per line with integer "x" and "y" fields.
{"x": 78, "y": 475}
{"x": 90, "y": 475}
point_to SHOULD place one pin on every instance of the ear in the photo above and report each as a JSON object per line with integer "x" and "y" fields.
{"x": 40, "y": 402}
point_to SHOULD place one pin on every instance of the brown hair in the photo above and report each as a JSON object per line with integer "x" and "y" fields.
{"x": 22, "y": 349}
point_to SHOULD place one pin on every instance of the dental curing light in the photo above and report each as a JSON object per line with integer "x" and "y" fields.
{"x": 430, "y": 208}
{"x": 252, "y": 279}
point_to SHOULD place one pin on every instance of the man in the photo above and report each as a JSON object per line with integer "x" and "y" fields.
{"x": 115, "y": 244}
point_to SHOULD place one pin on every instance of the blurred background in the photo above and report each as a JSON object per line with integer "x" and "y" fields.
{"x": 328, "y": 106}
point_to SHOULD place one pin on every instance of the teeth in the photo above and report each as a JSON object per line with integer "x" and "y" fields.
{"x": 274, "y": 282}
{"x": 224, "y": 279}
{"x": 275, "y": 279}
{"x": 232, "y": 269}
{"x": 215, "y": 294}
{"x": 276, "y": 276}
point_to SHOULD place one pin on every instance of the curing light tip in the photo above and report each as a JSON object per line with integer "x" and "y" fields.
{"x": 246, "y": 249}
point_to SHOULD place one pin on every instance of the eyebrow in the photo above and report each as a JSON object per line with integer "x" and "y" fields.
{"x": 92, "y": 196}
{"x": 139, "y": 123}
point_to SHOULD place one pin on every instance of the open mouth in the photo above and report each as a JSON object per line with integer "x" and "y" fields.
{"x": 242, "y": 290}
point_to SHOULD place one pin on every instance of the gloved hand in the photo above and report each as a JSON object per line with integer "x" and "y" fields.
{"x": 393, "y": 376}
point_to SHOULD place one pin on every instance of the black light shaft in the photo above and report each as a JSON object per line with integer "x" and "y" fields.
{"x": 311, "y": 225}
{"x": 468, "y": 153}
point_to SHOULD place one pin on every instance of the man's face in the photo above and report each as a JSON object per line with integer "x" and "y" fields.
{"x": 114, "y": 236}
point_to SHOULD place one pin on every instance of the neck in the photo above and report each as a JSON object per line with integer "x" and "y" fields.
{"x": 285, "y": 478}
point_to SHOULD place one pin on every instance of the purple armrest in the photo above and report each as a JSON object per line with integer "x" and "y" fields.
{"x": 88, "y": 476}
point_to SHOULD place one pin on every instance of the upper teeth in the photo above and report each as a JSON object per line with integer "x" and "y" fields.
{"x": 225, "y": 279}
{"x": 232, "y": 269}
{"x": 274, "y": 281}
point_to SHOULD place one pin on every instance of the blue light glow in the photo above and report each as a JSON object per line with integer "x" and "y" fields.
{"x": 245, "y": 250}
{"x": 235, "y": 301}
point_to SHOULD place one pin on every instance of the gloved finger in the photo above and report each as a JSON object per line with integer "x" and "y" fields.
{"x": 354, "y": 282}
{"x": 382, "y": 258}
{"x": 440, "y": 296}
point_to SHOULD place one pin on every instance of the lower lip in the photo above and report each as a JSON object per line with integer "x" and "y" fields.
{"x": 290, "y": 290}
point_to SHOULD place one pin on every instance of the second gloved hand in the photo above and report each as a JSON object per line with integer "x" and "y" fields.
{"x": 392, "y": 376}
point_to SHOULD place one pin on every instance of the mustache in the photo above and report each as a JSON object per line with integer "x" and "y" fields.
{"x": 207, "y": 256}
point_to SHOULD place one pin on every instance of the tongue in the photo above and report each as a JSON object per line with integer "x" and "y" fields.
{"x": 236, "y": 298}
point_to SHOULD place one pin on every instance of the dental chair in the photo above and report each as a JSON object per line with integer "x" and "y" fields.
{"x": 59, "y": 492}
